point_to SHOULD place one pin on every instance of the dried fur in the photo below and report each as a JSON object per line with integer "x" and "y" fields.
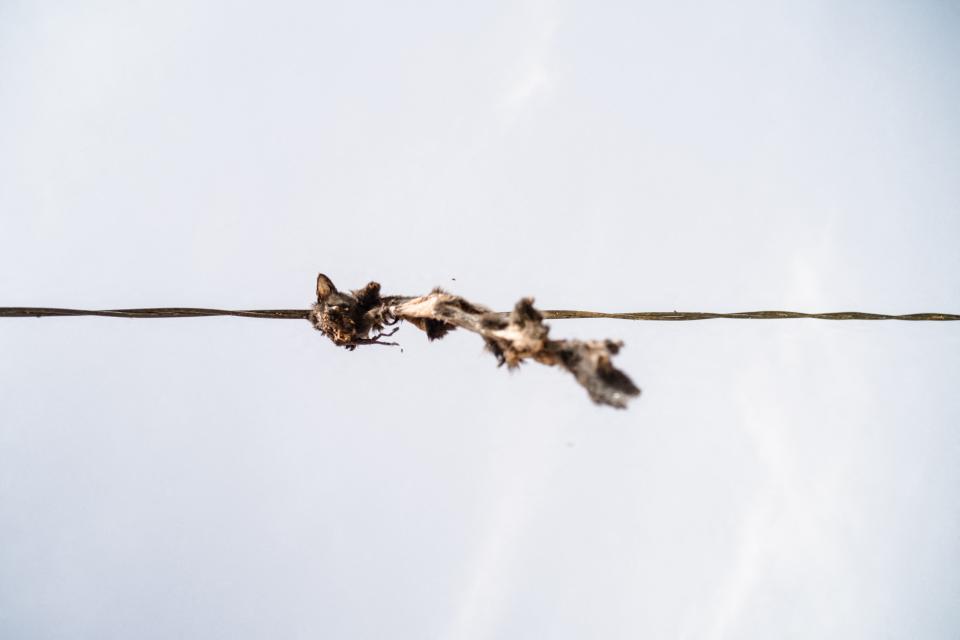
{"x": 359, "y": 317}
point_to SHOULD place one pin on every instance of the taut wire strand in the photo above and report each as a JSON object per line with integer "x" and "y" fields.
{"x": 165, "y": 312}
{"x": 302, "y": 314}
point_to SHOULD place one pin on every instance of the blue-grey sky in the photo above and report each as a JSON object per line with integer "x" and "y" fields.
{"x": 238, "y": 478}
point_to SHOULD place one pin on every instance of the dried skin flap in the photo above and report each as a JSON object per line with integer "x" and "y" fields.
{"x": 359, "y": 317}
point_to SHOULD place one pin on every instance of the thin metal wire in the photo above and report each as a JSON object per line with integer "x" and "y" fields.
{"x": 165, "y": 312}
{"x": 749, "y": 315}
{"x": 301, "y": 314}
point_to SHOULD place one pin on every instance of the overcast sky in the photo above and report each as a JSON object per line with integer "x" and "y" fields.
{"x": 236, "y": 478}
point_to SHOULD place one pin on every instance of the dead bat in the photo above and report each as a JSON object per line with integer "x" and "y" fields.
{"x": 360, "y": 317}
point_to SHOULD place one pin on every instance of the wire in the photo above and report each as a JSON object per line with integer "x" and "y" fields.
{"x": 166, "y": 312}
{"x": 301, "y": 314}
{"x": 748, "y": 315}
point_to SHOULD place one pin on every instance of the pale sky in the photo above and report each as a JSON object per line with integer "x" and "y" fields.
{"x": 236, "y": 478}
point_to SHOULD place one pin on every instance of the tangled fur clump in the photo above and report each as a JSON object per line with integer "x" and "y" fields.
{"x": 359, "y": 317}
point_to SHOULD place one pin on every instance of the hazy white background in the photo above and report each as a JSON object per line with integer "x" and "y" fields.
{"x": 231, "y": 478}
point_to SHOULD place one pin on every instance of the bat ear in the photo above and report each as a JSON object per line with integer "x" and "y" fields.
{"x": 324, "y": 287}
